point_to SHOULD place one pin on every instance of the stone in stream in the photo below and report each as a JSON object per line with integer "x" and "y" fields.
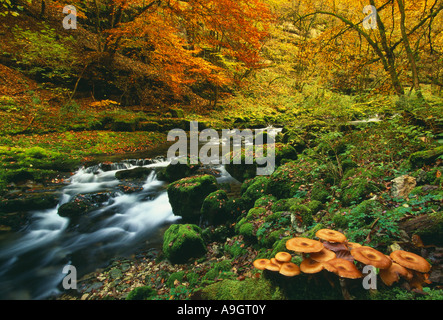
{"x": 186, "y": 196}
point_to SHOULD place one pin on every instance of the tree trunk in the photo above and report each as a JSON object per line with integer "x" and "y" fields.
{"x": 410, "y": 54}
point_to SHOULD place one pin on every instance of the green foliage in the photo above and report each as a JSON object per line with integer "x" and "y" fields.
{"x": 9, "y": 7}
{"x": 179, "y": 275}
{"x": 44, "y": 54}
{"x": 397, "y": 293}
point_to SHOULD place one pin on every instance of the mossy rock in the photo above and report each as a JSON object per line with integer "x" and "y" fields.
{"x": 37, "y": 158}
{"x": 285, "y": 181}
{"x": 182, "y": 242}
{"x": 264, "y": 165}
{"x": 22, "y": 175}
{"x": 176, "y": 276}
{"x": 249, "y": 289}
{"x": 27, "y": 202}
{"x": 214, "y": 209}
{"x": 174, "y": 172}
{"x": 265, "y": 201}
{"x": 76, "y": 208}
{"x": 177, "y": 113}
{"x": 141, "y": 293}
{"x": 256, "y": 189}
{"x": 187, "y": 195}
{"x": 426, "y": 157}
{"x": 280, "y": 205}
{"x": 303, "y": 212}
{"x": 319, "y": 193}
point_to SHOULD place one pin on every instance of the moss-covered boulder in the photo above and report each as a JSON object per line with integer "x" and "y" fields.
{"x": 174, "y": 172}
{"x": 319, "y": 192}
{"x": 286, "y": 180}
{"x": 238, "y": 167}
{"x": 27, "y": 202}
{"x": 141, "y": 293}
{"x": 214, "y": 209}
{"x": 182, "y": 242}
{"x": 257, "y": 188}
{"x": 426, "y": 157}
{"x": 187, "y": 195}
{"x": 249, "y": 289}
{"x": 265, "y": 201}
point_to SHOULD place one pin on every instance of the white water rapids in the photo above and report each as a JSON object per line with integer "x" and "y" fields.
{"x": 31, "y": 261}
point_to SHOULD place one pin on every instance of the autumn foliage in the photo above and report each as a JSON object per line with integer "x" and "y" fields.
{"x": 181, "y": 43}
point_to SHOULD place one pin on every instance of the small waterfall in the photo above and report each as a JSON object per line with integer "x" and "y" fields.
{"x": 31, "y": 261}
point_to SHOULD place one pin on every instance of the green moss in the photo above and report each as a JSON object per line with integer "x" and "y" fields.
{"x": 427, "y": 157}
{"x": 214, "y": 208}
{"x": 280, "y": 205}
{"x": 285, "y": 181}
{"x": 356, "y": 190}
{"x": 256, "y": 189}
{"x": 141, "y": 293}
{"x": 265, "y": 201}
{"x": 235, "y": 248}
{"x": 255, "y": 213}
{"x": 249, "y": 289}
{"x": 182, "y": 242}
{"x": 246, "y": 230}
{"x": 36, "y": 158}
{"x": 187, "y": 195}
{"x": 179, "y": 275}
{"x": 319, "y": 193}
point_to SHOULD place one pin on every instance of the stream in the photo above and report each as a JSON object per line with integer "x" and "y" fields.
{"x": 123, "y": 224}
{"x": 31, "y": 261}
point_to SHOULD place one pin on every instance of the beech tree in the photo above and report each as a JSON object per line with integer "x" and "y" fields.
{"x": 405, "y": 31}
{"x": 215, "y": 42}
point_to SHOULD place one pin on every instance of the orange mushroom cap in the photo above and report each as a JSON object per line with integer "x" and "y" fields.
{"x": 331, "y": 235}
{"x": 410, "y": 260}
{"x": 370, "y": 256}
{"x": 323, "y": 255}
{"x": 272, "y": 266}
{"x": 309, "y": 265}
{"x": 304, "y": 245}
{"x": 353, "y": 245}
{"x": 289, "y": 269}
{"x": 344, "y": 268}
{"x": 283, "y": 257}
{"x": 260, "y": 264}
{"x": 393, "y": 273}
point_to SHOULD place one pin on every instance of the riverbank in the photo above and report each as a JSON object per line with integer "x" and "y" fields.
{"x": 346, "y": 181}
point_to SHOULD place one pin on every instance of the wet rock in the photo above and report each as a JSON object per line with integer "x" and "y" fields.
{"x": 138, "y": 173}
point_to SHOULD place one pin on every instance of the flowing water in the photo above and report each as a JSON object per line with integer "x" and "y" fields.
{"x": 124, "y": 223}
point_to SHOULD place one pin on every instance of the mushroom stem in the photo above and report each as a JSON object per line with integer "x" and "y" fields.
{"x": 344, "y": 290}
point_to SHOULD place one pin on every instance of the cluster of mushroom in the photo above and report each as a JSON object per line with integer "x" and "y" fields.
{"x": 280, "y": 263}
{"x": 336, "y": 254}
